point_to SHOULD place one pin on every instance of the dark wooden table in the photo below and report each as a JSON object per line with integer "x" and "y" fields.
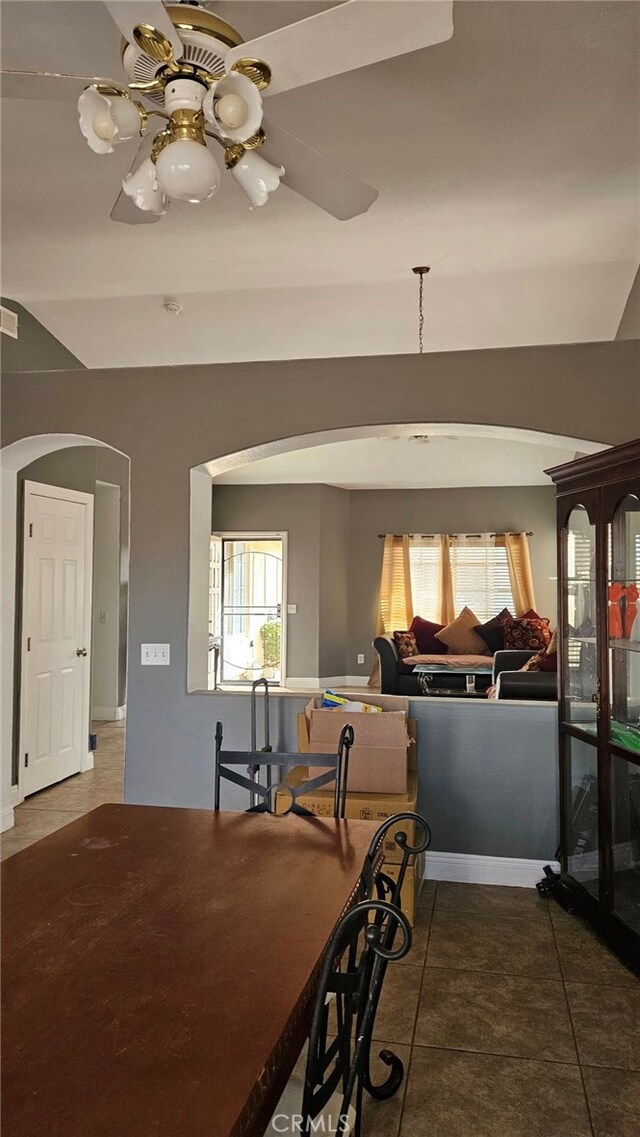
{"x": 159, "y": 968}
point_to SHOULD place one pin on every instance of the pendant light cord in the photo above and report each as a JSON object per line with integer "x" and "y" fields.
{"x": 420, "y": 272}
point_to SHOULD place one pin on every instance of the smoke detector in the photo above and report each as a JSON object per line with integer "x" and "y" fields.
{"x": 173, "y": 307}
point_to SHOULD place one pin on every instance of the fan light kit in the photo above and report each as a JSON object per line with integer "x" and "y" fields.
{"x": 193, "y": 71}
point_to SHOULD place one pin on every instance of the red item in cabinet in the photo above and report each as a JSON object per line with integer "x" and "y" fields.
{"x": 616, "y": 592}
{"x": 631, "y": 609}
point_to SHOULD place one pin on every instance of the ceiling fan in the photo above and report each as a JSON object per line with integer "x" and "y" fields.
{"x": 192, "y": 70}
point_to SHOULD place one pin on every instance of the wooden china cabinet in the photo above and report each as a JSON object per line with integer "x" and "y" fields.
{"x": 598, "y": 510}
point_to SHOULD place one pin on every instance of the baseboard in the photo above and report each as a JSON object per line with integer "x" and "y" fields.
{"x": 323, "y": 681}
{"x": 109, "y": 714}
{"x": 470, "y": 869}
{"x": 7, "y": 820}
{"x": 87, "y": 762}
{"x": 314, "y": 682}
{"x": 15, "y": 795}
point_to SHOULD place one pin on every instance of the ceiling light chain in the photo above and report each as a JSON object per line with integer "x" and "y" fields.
{"x": 420, "y": 271}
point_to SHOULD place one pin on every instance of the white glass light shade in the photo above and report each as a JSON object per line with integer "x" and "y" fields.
{"x": 234, "y": 106}
{"x": 257, "y": 177}
{"x": 143, "y": 188}
{"x": 106, "y": 120}
{"x": 187, "y": 171}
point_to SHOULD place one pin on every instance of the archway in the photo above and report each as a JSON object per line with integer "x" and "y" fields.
{"x": 13, "y": 459}
{"x": 203, "y": 475}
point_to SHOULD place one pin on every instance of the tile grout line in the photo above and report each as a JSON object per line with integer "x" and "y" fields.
{"x": 573, "y": 1032}
{"x": 415, "y": 1019}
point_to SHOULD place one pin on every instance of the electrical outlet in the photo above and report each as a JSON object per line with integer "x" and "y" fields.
{"x": 360, "y": 658}
{"x": 292, "y": 609}
{"x": 154, "y": 655}
{"x": 104, "y": 617}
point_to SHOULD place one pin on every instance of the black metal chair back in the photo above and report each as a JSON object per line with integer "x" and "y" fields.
{"x": 389, "y": 891}
{"x": 227, "y": 761}
{"x": 347, "y": 997}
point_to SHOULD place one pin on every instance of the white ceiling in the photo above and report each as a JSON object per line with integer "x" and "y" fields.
{"x": 405, "y": 463}
{"x": 507, "y": 158}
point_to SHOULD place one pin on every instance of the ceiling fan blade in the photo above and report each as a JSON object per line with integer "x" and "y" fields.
{"x": 344, "y": 38}
{"x": 125, "y": 210}
{"x": 128, "y": 14}
{"x": 44, "y": 85}
{"x": 315, "y": 176}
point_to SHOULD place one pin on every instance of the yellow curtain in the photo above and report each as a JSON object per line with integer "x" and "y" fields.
{"x": 395, "y": 609}
{"x": 446, "y": 599}
{"x": 519, "y": 561}
{"x": 395, "y": 606}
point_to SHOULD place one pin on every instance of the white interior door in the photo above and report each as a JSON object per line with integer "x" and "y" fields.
{"x": 56, "y": 634}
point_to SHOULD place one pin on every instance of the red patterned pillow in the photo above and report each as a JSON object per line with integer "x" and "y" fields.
{"x": 406, "y": 644}
{"x": 526, "y": 634}
{"x": 425, "y": 633}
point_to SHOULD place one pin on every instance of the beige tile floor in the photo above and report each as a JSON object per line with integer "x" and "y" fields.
{"x": 512, "y": 1020}
{"x": 44, "y": 812}
{"x": 510, "y": 1016}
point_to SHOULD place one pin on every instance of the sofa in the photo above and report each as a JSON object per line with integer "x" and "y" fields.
{"x": 512, "y": 683}
{"x": 397, "y": 678}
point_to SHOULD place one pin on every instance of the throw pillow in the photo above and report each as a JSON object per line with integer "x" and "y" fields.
{"x": 549, "y": 660}
{"x": 406, "y": 644}
{"x": 527, "y": 634}
{"x": 493, "y": 631}
{"x": 460, "y": 636}
{"x": 425, "y": 633}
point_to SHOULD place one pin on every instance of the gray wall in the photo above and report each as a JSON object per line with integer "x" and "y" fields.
{"x": 334, "y": 579}
{"x": 629, "y": 328}
{"x": 170, "y": 419}
{"x": 475, "y": 510}
{"x": 35, "y": 349}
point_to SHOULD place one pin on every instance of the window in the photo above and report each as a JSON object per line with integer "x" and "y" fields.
{"x": 481, "y": 579}
{"x": 424, "y": 561}
{"x": 479, "y": 573}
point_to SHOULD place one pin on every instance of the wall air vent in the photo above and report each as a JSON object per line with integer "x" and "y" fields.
{"x": 8, "y": 322}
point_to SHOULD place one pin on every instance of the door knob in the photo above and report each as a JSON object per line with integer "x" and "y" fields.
{"x": 81, "y": 651}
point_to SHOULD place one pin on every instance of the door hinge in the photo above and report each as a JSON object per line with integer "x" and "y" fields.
{"x": 26, "y": 760}
{"x": 31, "y": 529}
{"x": 28, "y": 643}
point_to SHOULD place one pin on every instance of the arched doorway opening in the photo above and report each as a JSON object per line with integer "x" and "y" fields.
{"x": 95, "y": 472}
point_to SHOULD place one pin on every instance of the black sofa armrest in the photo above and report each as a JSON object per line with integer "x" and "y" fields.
{"x": 510, "y": 660}
{"x": 541, "y": 685}
{"x": 388, "y": 654}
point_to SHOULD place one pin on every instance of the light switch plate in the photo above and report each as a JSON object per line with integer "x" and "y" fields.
{"x": 292, "y": 609}
{"x": 360, "y": 658}
{"x": 154, "y": 655}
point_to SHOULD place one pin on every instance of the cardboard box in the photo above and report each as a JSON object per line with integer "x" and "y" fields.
{"x": 378, "y": 758}
{"x": 364, "y": 807}
{"x": 412, "y": 886}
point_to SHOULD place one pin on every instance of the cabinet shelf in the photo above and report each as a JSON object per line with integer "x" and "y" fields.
{"x": 625, "y": 645}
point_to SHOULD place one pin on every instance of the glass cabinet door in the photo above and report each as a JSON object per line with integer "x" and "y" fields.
{"x": 579, "y": 646}
{"x": 581, "y": 812}
{"x": 624, "y": 624}
{"x": 625, "y": 800}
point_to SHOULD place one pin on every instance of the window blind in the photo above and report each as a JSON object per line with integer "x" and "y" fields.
{"x": 481, "y": 579}
{"x": 424, "y": 558}
{"x": 480, "y": 573}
